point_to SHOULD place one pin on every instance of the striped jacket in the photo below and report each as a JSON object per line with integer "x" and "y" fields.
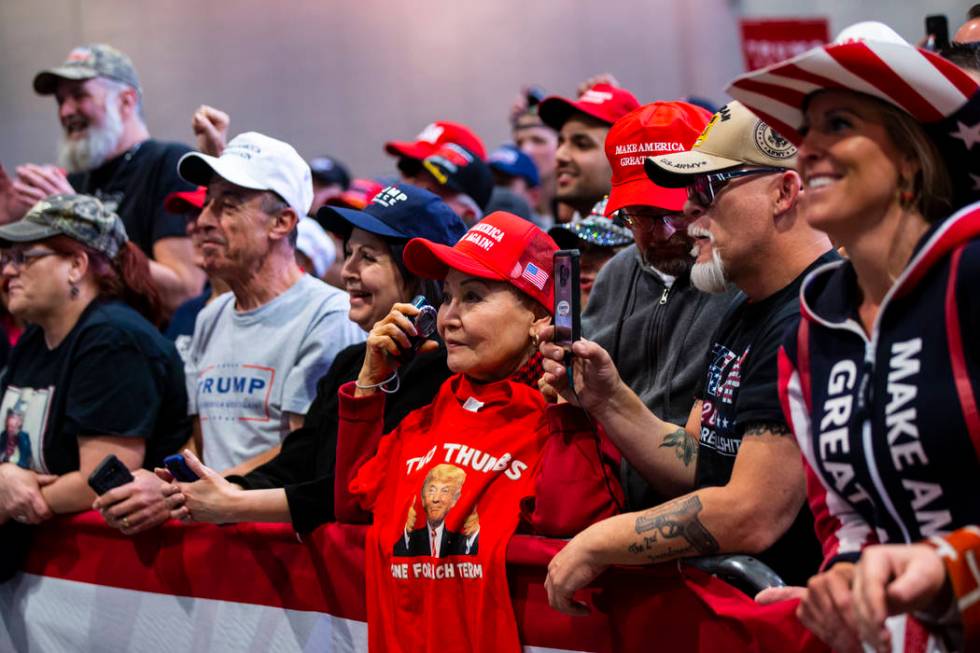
{"x": 888, "y": 424}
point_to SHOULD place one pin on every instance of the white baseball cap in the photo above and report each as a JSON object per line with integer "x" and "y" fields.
{"x": 254, "y": 160}
{"x": 314, "y": 242}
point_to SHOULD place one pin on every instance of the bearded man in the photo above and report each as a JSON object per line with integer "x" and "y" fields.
{"x": 105, "y": 150}
{"x": 643, "y": 308}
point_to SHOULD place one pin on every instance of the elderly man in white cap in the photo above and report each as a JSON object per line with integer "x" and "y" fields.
{"x": 257, "y": 352}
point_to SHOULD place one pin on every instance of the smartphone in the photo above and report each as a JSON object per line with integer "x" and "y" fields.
{"x": 110, "y": 473}
{"x": 567, "y": 319}
{"x": 937, "y": 29}
{"x": 425, "y": 326}
{"x": 179, "y": 468}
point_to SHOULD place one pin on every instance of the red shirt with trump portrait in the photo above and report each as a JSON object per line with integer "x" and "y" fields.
{"x": 446, "y": 490}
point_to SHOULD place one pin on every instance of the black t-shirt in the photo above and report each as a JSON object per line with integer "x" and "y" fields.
{"x": 113, "y": 374}
{"x": 134, "y": 185}
{"x": 740, "y": 388}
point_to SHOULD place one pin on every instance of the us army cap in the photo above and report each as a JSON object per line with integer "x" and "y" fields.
{"x": 733, "y": 137}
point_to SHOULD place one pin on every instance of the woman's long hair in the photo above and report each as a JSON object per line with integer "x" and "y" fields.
{"x": 127, "y": 278}
{"x": 432, "y": 290}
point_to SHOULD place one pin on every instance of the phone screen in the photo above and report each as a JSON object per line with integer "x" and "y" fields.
{"x": 567, "y": 309}
{"x": 937, "y": 26}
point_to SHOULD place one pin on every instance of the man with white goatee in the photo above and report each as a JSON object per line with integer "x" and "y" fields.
{"x": 735, "y": 468}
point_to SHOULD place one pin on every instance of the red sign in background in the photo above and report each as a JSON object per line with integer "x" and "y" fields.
{"x": 766, "y": 41}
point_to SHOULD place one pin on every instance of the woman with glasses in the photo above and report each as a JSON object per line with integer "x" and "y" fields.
{"x": 91, "y": 376}
{"x": 880, "y": 374}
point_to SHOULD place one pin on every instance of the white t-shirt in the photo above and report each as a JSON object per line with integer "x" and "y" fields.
{"x": 246, "y": 370}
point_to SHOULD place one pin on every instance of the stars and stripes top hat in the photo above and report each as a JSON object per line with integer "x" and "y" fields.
{"x": 501, "y": 247}
{"x": 871, "y": 58}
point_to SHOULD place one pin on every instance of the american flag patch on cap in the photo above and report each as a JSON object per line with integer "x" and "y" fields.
{"x": 535, "y": 275}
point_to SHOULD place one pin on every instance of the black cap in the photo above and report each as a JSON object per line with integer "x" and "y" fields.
{"x": 329, "y": 171}
{"x": 459, "y": 169}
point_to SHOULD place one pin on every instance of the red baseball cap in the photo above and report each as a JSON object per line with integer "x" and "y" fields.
{"x": 653, "y": 129}
{"x": 185, "y": 201}
{"x": 433, "y": 136}
{"x": 502, "y": 247}
{"x": 603, "y": 102}
{"x": 356, "y": 197}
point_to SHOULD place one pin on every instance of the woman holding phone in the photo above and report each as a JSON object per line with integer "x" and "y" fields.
{"x": 451, "y": 483}
{"x": 297, "y": 485}
{"x": 91, "y": 376}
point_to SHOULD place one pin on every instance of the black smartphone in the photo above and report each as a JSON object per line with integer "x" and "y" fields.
{"x": 567, "y": 319}
{"x": 110, "y": 473}
{"x": 179, "y": 468}
{"x": 937, "y": 28}
{"x": 425, "y": 326}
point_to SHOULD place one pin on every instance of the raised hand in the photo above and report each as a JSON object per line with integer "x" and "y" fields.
{"x": 210, "y": 126}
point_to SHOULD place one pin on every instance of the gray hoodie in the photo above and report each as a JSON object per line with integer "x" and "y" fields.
{"x": 658, "y": 337}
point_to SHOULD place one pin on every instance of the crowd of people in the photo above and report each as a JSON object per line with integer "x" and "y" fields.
{"x": 776, "y": 360}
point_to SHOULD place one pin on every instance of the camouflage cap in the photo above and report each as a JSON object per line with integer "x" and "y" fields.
{"x": 81, "y": 217}
{"x": 86, "y": 62}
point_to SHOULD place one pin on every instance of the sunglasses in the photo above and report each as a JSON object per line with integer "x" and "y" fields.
{"x": 705, "y": 188}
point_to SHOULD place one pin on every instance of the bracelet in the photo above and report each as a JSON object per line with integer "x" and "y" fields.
{"x": 381, "y": 386}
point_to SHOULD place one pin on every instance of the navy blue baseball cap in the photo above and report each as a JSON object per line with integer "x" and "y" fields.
{"x": 509, "y": 160}
{"x": 401, "y": 211}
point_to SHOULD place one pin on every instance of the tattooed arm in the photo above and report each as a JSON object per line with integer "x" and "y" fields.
{"x": 665, "y": 454}
{"x": 747, "y": 515}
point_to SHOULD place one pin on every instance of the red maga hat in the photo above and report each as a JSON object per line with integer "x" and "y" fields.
{"x": 656, "y": 128}
{"x": 433, "y": 137}
{"x": 185, "y": 201}
{"x": 501, "y": 247}
{"x": 603, "y": 102}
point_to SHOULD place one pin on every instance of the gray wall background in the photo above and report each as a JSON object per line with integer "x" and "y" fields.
{"x": 343, "y": 77}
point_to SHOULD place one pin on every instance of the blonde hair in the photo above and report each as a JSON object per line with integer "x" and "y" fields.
{"x": 446, "y": 473}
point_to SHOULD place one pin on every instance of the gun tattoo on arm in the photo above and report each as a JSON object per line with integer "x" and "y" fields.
{"x": 676, "y": 524}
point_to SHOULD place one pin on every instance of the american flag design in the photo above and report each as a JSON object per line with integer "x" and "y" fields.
{"x": 870, "y": 58}
{"x": 535, "y": 275}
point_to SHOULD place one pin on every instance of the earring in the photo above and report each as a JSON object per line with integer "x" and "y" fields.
{"x": 535, "y": 340}
{"x": 73, "y": 290}
{"x": 906, "y": 197}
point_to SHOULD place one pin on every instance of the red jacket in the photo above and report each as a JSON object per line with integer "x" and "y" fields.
{"x": 435, "y": 563}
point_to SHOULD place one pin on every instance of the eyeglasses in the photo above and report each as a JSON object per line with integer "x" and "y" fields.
{"x": 705, "y": 188}
{"x": 21, "y": 258}
{"x": 633, "y": 217}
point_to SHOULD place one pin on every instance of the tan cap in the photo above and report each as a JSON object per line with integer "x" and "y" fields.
{"x": 733, "y": 137}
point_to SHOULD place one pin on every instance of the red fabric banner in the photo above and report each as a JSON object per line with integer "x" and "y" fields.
{"x": 768, "y": 41}
{"x": 667, "y": 607}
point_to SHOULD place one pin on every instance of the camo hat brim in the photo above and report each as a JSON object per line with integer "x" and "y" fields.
{"x": 87, "y": 62}
{"x": 81, "y": 217}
